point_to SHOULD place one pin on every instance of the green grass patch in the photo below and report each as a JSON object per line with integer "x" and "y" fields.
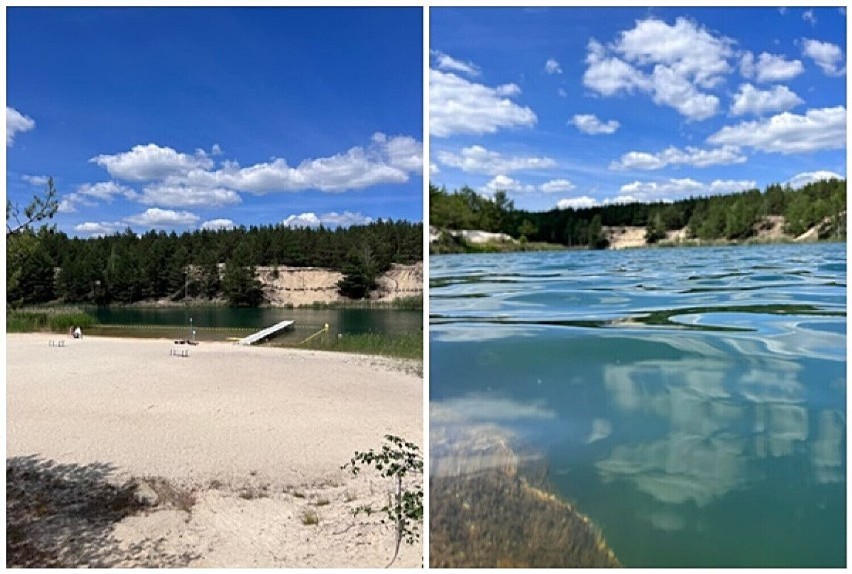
{"x": 56, "y": 320}
{"x": 400, "y": 345}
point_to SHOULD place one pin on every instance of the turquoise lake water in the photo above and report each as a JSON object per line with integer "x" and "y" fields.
{"x": 218, "y": 323}
{"x": 691, "y": 402}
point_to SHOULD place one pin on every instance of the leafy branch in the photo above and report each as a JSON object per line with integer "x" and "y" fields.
{"x": 396, "y": 460}
{"x": 39, "y": 209}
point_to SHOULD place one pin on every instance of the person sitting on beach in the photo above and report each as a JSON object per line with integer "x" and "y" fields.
{"x": 78, "y": 333}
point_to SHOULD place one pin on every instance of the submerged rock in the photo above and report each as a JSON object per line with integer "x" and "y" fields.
{"x": 491, "y": 507}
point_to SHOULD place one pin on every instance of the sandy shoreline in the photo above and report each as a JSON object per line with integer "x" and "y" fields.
{"x": 226, "y": 421}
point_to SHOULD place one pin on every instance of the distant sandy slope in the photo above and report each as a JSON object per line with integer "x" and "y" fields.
{"x": 273, "y": 422}
{"x": 305, "y": 285}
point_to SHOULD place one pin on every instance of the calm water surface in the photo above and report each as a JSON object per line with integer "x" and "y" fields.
{"x": 218, "y": 323}
{"x": 690, "y": 401}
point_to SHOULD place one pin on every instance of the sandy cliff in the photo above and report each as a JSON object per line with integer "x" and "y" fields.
{"x": 305, "y": 285}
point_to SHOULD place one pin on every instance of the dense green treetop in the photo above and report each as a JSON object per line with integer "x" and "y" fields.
{"x": 731, "y": 217}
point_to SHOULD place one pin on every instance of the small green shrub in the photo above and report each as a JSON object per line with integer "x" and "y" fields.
{"x": 396, "y": 461}
{"x": 310, "y": 518}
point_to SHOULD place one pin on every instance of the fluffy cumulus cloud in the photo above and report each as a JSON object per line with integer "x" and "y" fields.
{"x": 162, "y": 218}
{"x": 673, "y": 63}
{"x": 827, "y": 56}
{"x": 187, "y": 180}
{"x": 751, "y": 100}
{"x": 477, "y": 159}
{"x": 97, "y": 229}
{"x": 16, "y": 122}
{"x": 787, "y": 133}
{"x": 551, "y": 66}
{"x": 674, "y": 189}
{"x": 151, "y": 162}
{"x": 215, "y": 224}
{"x": 590, "y": 124}
{"x": 185, "y": 196}
{"x": 580, "y": 202}
{"x": 332, "y": 219}
{"x": 105, "y": 191}
{"x": 507, "y": 184}
{"x": 769, "y": 67}
{"x": 802, "y": 179}
{"x": 458, "y": 106}
{"x": 90, "y": 194}
{"x": 609, "y": 75}
{"x": 448, "y": 63}
{"x": 691, "y": 156}
{"x": 557, "y": 186}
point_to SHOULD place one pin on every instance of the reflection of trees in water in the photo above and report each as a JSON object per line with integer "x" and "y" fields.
{"x": 491, "y": 504}
{"x": 63, "y": 515}
{"x": 719, "y": 415}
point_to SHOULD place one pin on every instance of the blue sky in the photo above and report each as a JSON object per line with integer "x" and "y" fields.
{"x": 576, "y": 107}
{"x": 178, "y": 119}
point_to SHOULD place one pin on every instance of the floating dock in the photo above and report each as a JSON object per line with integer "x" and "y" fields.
{"x": 263, "y": 334}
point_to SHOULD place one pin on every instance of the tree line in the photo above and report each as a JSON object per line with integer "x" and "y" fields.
{"x": 46, "y": 265}
{"x": 735, "y": 216}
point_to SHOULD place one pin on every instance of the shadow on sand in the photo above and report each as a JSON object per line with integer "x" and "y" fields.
{"x": 63, "y": 515}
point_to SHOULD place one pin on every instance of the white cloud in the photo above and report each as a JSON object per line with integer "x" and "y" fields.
{"x": 681, "y": 60}
{"x": 184, "y": 196}
{"x": 16, "y": 122}
{"x": 445, "y": 62}
{"x": 457, "y": 106}
{"x": 66, "y": 206}
{"x": 581, "y": 202}
{"x": 751, "y": 100}
{"x": 688, "y": 50}
{"x": 151, "y": 162}
{"x": 692, "y": 156}
{"x": 786, "y": 133}
{"x": 301, "y": 220}
{"x": 808, "y": 16}
{"x": 38, "y": 180}
{"x": 401, "y": 152}
{"x": 769, "y": 67}
{"x": 552, "y": 66}
{"x": 507, "y": 184}
{"x": 104, "y": 191}
{"x": 562, "y": 93}
{"x": 557, "y": 186}
{"x": 182, "y": 178}
{"x": 332, "y": 219}
{"x": 674, "y": 189}
{"x": 95, "y": 229}
{"x": 215, "y": 224}
{"x": 477, "y": 159}
{"x": 826, "y": 55}
{"x": 802, "y": 179}
{"x": 590, "y": 124}
{"x": 434, "y": 169}
{"x": 155, "y": 217}
{"x": 676, "y": 91}
{"x": 216, "y": 150}
{"x": 609, "y": 75}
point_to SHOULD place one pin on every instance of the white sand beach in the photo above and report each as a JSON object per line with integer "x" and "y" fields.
{"x": 256, "y": 436}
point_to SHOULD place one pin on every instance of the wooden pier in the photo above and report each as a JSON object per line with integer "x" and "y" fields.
{"x": 263, "y": 334}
